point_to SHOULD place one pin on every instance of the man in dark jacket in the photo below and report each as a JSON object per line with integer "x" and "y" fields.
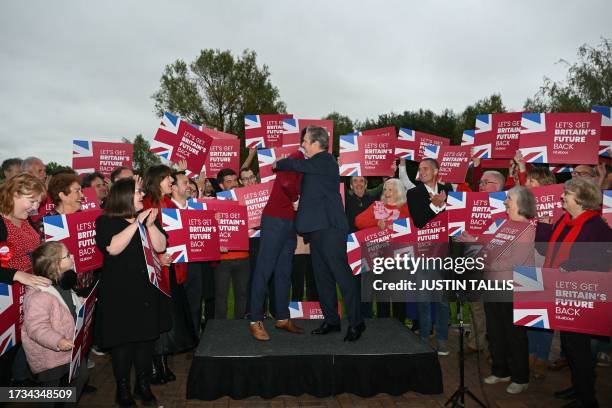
{"x": 321, "y": 218}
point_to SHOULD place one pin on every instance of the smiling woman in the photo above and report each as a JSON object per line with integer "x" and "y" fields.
{"x": 65, "y": 192}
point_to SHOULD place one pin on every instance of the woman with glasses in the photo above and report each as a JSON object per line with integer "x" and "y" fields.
{"x": 129, "y": 305}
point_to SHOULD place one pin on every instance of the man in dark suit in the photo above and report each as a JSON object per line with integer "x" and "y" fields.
{"x": 321, "y": 219}
{"x": 427, "y": 200}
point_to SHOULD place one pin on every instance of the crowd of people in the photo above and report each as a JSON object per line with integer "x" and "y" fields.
{"x": 300, "y": 256}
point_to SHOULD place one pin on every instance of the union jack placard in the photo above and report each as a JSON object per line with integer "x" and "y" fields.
{"x": 500, "y": 131}
{"x": 411, "y": 144}
{"x": 263, "y": 131}
{"x": 292, "y": 129}
{"x": 605, "y": 144}
{"x": 103, "y": 157}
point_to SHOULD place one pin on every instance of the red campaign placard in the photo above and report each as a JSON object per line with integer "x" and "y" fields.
{"x": 223, "y": 154}
{"x": 254, "y": 197}
{"x": 373, "y": 240}
{"x": 454, "y": 162}
{"x": 550, "y": 299}
{"x": 78, "y": 232}
{"x": 411, "y": 144}
{"x": 103, "y": 157}
{"x": 548, "y": 201}
{"x": 365, "y": 155}
{"x": 425, "y": 241}
{"x": 264, "y": 131}
{"x": 308, "y": 310}
{"x": 178, "y": 140}
{"x": 83, "y": 332}
{"x": 154, "y": 268}
{"x": 605, "y": 144}
{"x": 560, "y": 137}
{"x": 89, "y": 202}
{"x": 292, "y": 129}
{"x": 498, "y": 133}
{"x": 232, "y": 220}
{"x": 499, "y": 242}
{"x": 193, "y": 235}
{"x": 469, "y": 212}
{"x": 606, "y": 211}
{"x": 267, "y": 157}
{"x": 11, "y": 315}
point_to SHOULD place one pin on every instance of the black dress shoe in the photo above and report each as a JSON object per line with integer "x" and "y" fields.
{"x": 124, "y": 396}
{"x": 142, "y": 390}
{"x": 326, "y": 328}
{"x": 166, "y": 372}
{"x": 354, "y": 333}
{"x": 568, "y": 393}
{"x": 157, "y": 372}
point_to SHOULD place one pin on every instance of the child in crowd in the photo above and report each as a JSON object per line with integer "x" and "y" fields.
{"x": 49, "y": 319}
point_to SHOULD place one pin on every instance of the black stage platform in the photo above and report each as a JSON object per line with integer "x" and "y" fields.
{"x": 388, "y": 358}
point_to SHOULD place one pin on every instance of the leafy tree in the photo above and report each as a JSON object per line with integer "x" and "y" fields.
{"x": 218, "y": 89}
{"x": 143, "y": 157}
{"x": 53, "y": 168}
{"x": 588, "y": 82}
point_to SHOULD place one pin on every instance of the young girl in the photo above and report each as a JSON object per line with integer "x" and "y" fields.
{"x": 49, "y": 318}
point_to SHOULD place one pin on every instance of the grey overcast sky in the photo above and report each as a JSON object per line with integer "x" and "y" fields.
{"x": 87, "y": 69}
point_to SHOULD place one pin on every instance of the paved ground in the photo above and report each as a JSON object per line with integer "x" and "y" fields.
{"x": 539, "y": 393}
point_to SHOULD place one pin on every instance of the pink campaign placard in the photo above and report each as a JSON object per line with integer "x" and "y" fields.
{"x": 254, "y": 197}
{"x": 267, "y": 157}
{"x": 232, "y": 219}
{"x": 103, "y": 157}
{"x": 367, "y": 155}
{"x": 470, "y": 212}
{"x": 83, "y": 332}
{"x": 560, "y": 138}
{"x": 223, "y": 154}
{"x": 605, "y": 143}
{"x": 577, "y": 301}
{"x": 264, "y": 131}
{"x": 498, "y": 134}
{"x": 193, "y": 235}
{"x": 454, "y": 162}
{"x": 11, "y": 315}
{"x": 178, "y": 140}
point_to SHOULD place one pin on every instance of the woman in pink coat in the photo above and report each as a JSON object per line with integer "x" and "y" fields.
{"x": 49, "y": 318}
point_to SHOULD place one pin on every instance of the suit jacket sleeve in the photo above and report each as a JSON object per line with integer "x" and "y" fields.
{"x": 419, "y": 202}
{"x": 318, "y": 164}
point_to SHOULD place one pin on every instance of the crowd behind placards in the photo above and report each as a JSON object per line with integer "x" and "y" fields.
{"x": 163, "y": 247}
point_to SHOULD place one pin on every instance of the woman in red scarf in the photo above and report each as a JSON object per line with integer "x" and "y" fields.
{"x": 180, "y": 335}
{"x": 580, "y": 240}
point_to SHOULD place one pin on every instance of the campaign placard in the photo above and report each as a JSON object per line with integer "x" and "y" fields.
{"x": 308, "y": 310}
{"x": 178, "y": 140}
{"x": 469, "y": 212}
{"x": 454, "y": 161}
{"x": 366, "y": 244}
{"x": 83, "y": 332}
{"x": 363, "y": 155}
{"x": 89, "y": 202}
{"x": 77, "y": 232}
{"x": 154, "y": 268}
{"x": 292, "y": 129}
{"x": 102, "y": 157}
{"x": 232, "y": 220}
{"x": 193, "y": 235}
{"x": 11, "y": 315}
{"x": 267, "y": 157}
{"x": 254, "y": 197}
{"x": 411, "y": 144}
{"x": 263, "y": 131}
{"x": 467, "y": 138}
{"x": 507, "y": 233}
{"x": 560, "y": 137}
{"x": 547, "y": 298}
{"x": 497, "y": 133}
{"x": 605, "y": 143}
{"x": 223, "y": 154}
{"x": 548, "y": 201}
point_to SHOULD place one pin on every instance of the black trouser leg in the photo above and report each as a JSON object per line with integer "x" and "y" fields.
{"x": 122, "y": 359}
{"x": 297, "y": 277}
{"x": 582, "y": 366}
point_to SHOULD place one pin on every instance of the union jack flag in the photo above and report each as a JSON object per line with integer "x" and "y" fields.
{"x": 349, "y": 147}
{"x": 496, "y": 202}
{"x": 401, "y": 228}
{"x": 561, "y": 168}
{"x": 408, "y": 135}
{"x": 178, "y": 253}
{"x": 296, "y": 310}
{"x": 467, "y": 138}
{"x": 484, "y": 123}
{"x": 227, "y": 195}
{"x": 75, "y": 363}
{"x": 527, "y": 279}
{"x": 251, "y": 123}
{"x": 482, "y": 151}
{"x": 6, "y": 297}
{"x": 456, "y": 200}
{"x": 353, "y": 250}
{"x": 606, "y": 129}
{"x": 431, "y": 151}
{"x": 536, "y": 154}
{"x": 8, "y": 339}
{"x": 168, "y": 129}
{"x": 349, "y": 143}
{"x": 607, "y": 202}
{"x": 495, "y": 225}
{"x": 196, "y": 205}
{"x": 533, "y": 123}
{"x": 83, "y": 160}
{"x": 254, "y": 233}
{"x": 266, "y": 157}
{"x": 56, "y": 227}
{"x": 171, "y": 219}
{"x": 532, "y": 318}
{"x": 456, "y": 228}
